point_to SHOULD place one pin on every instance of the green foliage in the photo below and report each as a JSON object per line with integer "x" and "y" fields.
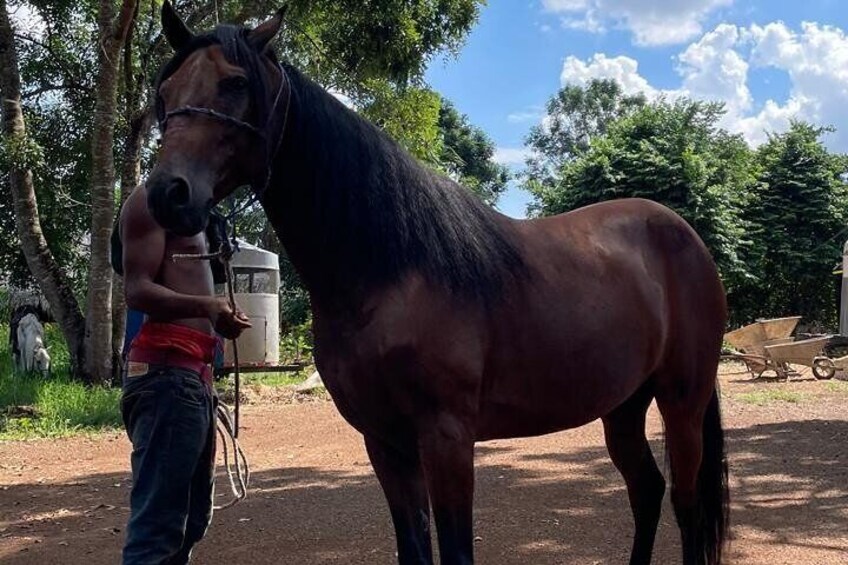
{"x": 467, "y": 155}
{"x": 575, "y": 116}
{"x": 670, "y": 152}
{"x": 76, "y": 405}
{"x": 296, "y": 343}
{"x": 278, "y": 378}
{"x": 410, "y": 116}
{"x": 21, "y": 152}
{"x": 57, "y": 73}
{"x": 796, "y": 213}
{"x": 60, "y": 357}
{"x": 345, "y": 43}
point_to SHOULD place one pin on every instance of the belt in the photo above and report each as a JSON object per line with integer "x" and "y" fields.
{"x": 166, "y": 358}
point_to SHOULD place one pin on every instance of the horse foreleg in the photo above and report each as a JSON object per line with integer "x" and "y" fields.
{"x": 447, "y": 454}
{"x": 402, "y": 480}
{"x": 624, "y": 430}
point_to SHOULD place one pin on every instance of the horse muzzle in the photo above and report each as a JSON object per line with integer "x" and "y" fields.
{"x": 176, "y": 205}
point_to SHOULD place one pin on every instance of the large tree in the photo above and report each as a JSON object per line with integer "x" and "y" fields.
{"x": 21, "y": 155}
{"x": 574, "y": 117}
{"x": 673, "y": 153}
{"x": 797, "y": 213}
{"x": 467, "y": 155}
{"x": 113, "y": 25}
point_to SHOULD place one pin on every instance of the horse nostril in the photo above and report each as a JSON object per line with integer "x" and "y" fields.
{"x": 178, "y": 192}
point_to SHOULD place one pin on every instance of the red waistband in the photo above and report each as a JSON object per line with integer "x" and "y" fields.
{"x": 173, "y": 345}
{"x": 177, "y": 340}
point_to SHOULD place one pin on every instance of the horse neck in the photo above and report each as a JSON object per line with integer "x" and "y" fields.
{"x": 356, "y": 213}
{"x": 327, "y": 158}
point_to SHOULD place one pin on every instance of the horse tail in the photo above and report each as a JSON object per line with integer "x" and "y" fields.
{"x": 713, "y": 492}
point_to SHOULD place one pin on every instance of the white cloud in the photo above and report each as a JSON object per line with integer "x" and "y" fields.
{"x": 652, "y": 22}
{"x": 711, "y": 69}
{"x": 716, "y": 67}
{"x": 772, "y": 118}
{"x": 531, "y": 114}
{"x": 622, "y": 68}
{"x": 565, "y": 5}
{"x": 816, "y": 62}
{"x": 511, "y": 155}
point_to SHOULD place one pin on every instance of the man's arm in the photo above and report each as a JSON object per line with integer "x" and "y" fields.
{"x": 144, "y": 251}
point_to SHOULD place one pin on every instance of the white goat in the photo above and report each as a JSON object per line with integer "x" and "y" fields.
{"x": 33, "y": 354}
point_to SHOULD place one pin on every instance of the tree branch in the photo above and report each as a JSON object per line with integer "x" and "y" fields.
{"x": 52, "y": 88}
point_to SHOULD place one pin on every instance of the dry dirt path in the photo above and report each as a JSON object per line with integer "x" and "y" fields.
{"x": 552, "y": 499}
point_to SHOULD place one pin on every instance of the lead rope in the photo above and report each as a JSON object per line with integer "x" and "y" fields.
{"x": 227, "y": 428}
{"x": 238, "y": 470}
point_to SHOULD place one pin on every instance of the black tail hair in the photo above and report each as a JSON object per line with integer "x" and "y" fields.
{"x": 713, "y": 492}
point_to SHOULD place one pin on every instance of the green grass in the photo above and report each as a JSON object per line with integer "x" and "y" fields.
{"x": 764, "y": 397}
{"x": 276, "y": 379}
{"x": 836, "y": 386}
{"x": 35, "y": 406}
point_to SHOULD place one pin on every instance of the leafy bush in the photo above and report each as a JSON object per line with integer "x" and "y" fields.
{"x": 296, "y": 344}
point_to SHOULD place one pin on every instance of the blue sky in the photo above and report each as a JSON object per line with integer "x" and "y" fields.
{"x": 768, "y": 60}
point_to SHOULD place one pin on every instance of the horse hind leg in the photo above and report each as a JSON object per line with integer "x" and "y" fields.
{"x": 624, "y": 431}
{"x": 695, "y": 446}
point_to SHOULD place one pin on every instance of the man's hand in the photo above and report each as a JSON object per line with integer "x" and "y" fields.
{"x": 228, "y": 322}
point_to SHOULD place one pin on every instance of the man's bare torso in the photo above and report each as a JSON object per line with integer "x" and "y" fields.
{"x": 183, "y": 276}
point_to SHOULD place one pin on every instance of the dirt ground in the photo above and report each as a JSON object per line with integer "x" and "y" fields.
{"x": 555, "y": 499}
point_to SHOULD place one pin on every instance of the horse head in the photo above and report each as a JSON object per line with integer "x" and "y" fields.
{"x": 216, "y": 103}
{"x": 41, "y": 360}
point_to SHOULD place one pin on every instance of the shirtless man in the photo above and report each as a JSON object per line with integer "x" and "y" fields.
{"x": 168, "y": 404}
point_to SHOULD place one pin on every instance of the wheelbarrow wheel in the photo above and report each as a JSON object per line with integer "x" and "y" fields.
{"x": 824, "y": 368}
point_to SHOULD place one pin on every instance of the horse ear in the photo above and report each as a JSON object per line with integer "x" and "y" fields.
{"x": 176, "y": 31}
{"x": 262, "y": 35}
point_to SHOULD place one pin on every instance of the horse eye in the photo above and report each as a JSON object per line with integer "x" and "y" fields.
{"x": 234, "y": 84}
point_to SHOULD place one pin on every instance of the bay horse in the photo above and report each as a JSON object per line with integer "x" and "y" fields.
{"x": 438, "y": 322}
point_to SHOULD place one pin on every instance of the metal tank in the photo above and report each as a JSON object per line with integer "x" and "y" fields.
{"x": 256, "y": 284}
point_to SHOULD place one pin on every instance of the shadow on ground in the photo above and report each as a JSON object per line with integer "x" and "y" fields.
{"x": 790, "y": 485}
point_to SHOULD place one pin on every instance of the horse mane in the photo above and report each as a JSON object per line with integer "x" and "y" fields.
{"x": 372, "y": 213}
{"x": 384, "y": 213}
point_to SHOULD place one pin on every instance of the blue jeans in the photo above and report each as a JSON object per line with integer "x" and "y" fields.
{"x": 169, "y": 414}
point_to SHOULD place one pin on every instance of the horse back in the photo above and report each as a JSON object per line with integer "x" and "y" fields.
{"x": 613, "y": 294}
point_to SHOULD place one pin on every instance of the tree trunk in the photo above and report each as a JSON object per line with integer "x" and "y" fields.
{"x": 130, "y": 178}
{"x": 49, "y": 276}
{"x": 139, "y": 120}
{"x": 113, "y": 32}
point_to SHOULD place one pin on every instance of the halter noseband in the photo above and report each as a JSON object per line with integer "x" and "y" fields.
{"x": 189, "y": 110}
